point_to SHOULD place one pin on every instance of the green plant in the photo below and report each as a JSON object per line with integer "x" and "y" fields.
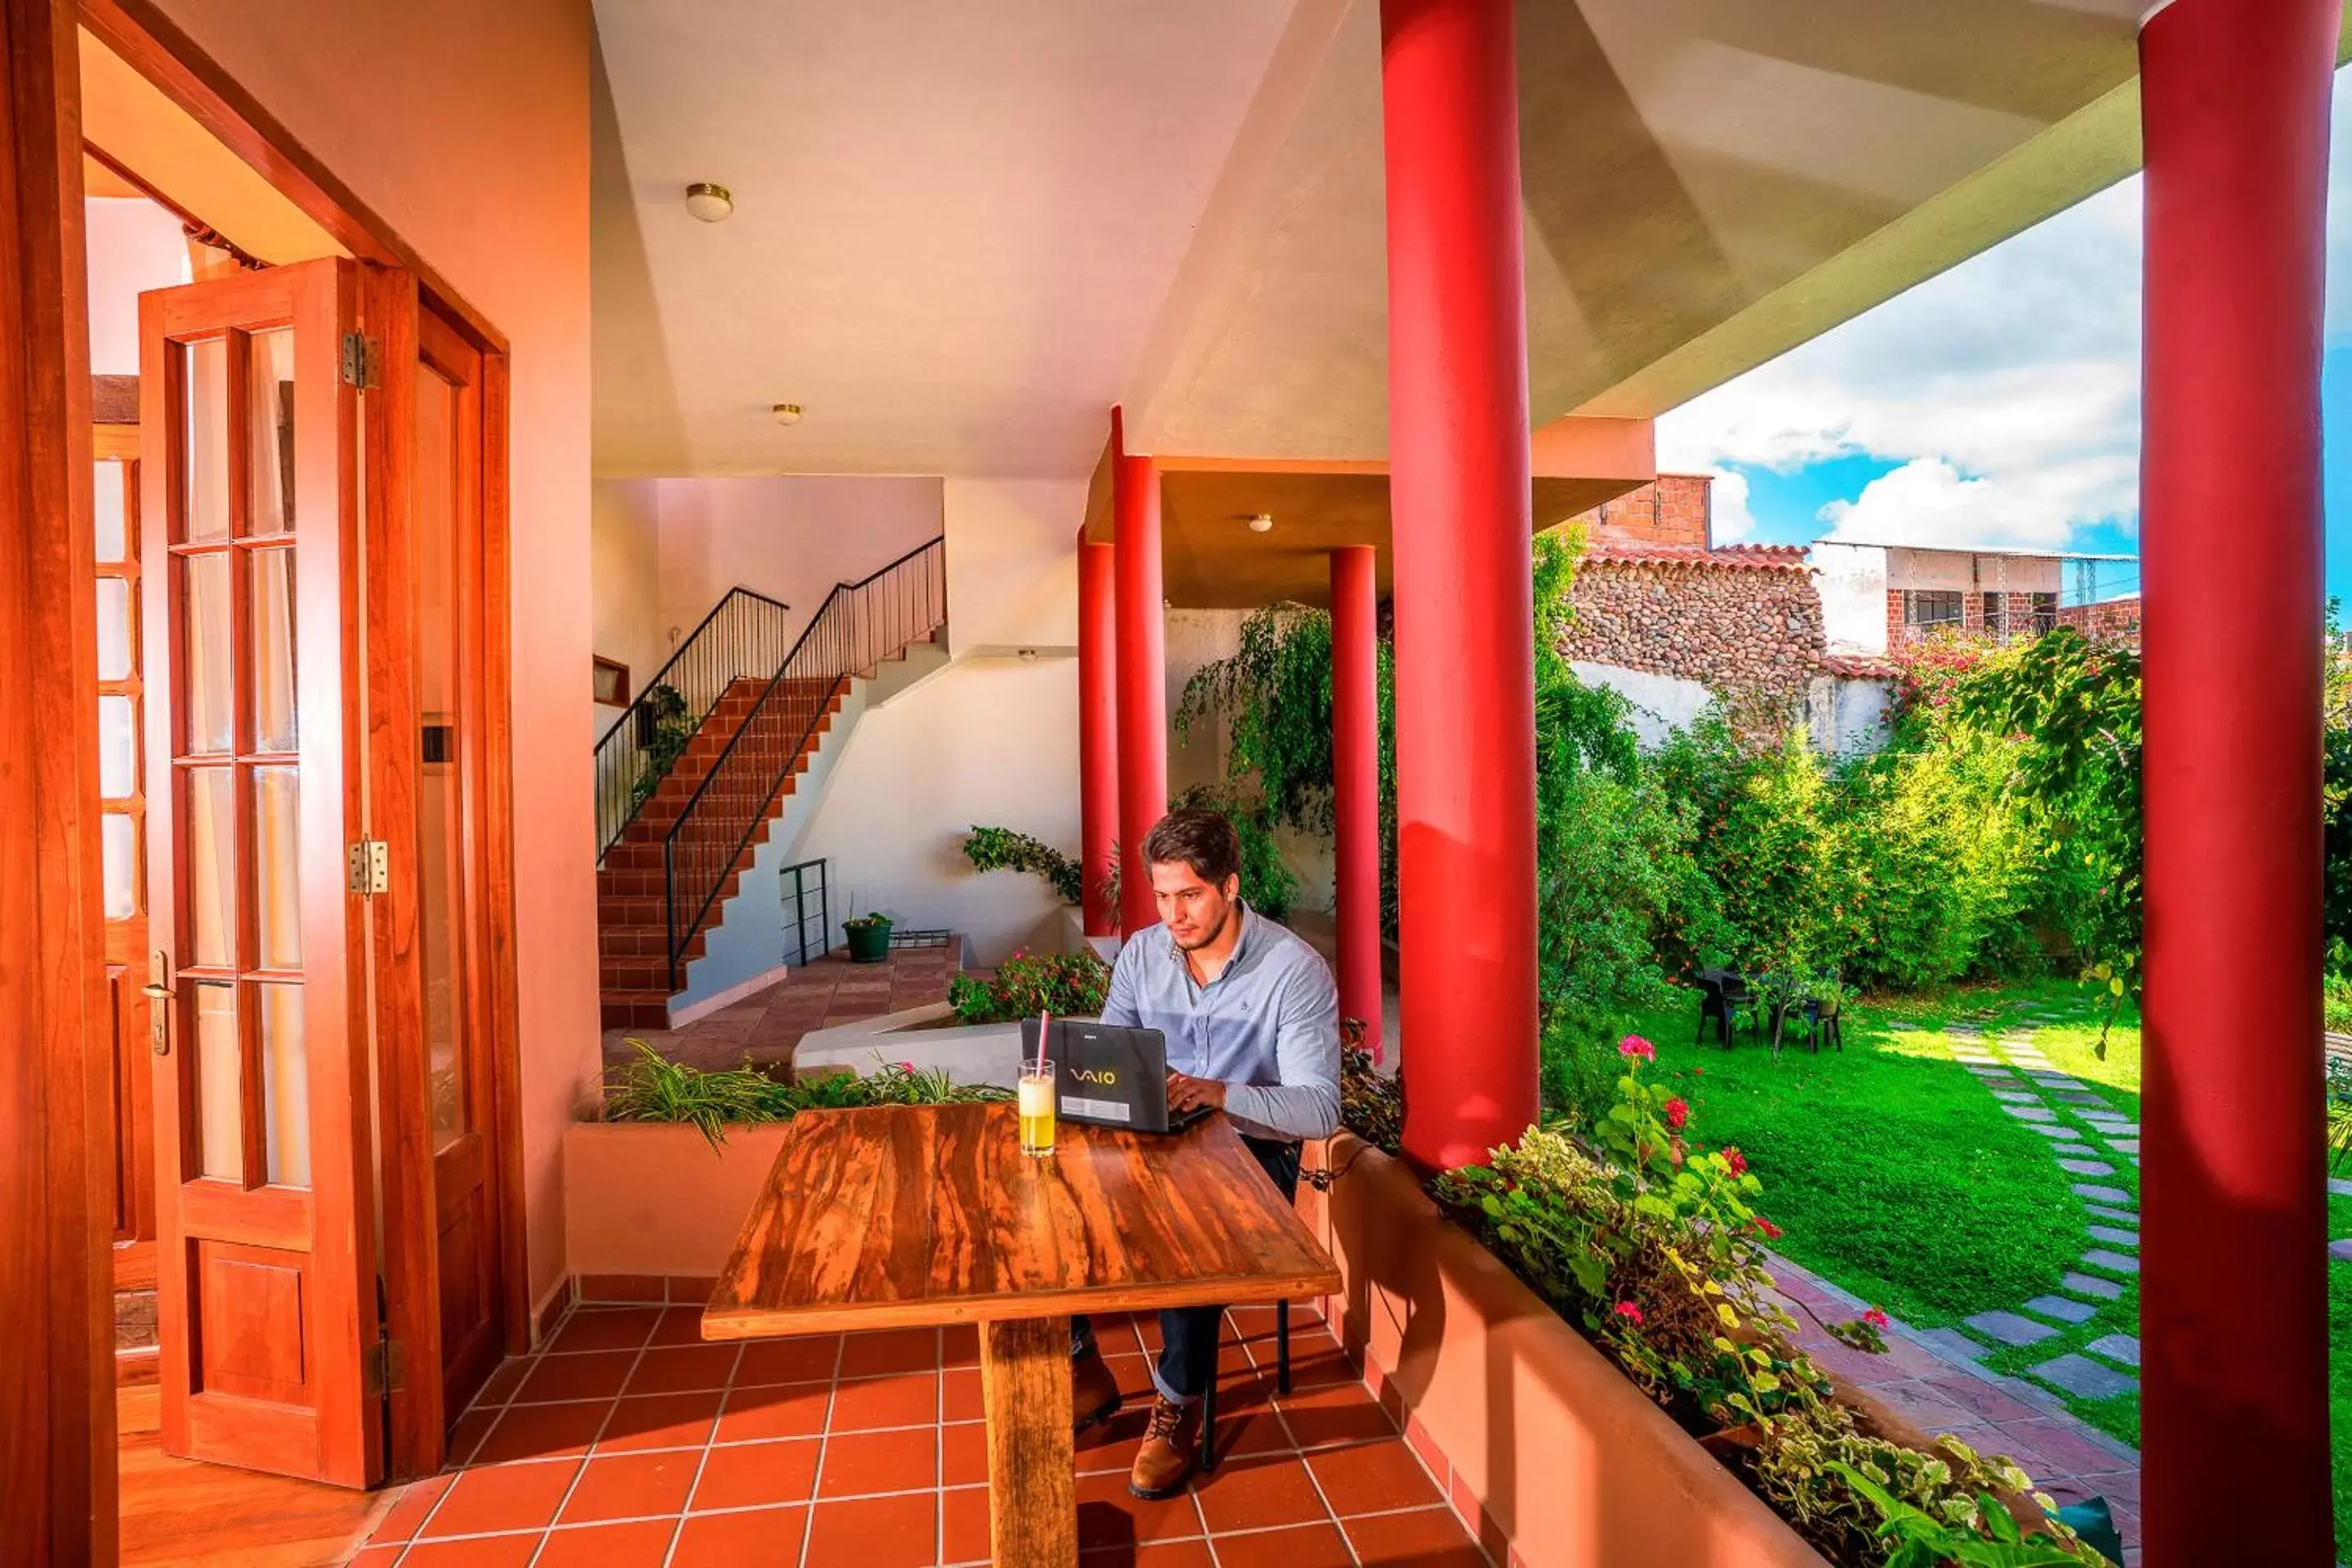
{"x": 1371, "y": 1104}
{"x": 671, "y": 731}
{"x": 1973, "y": 1532}
{"x": 649, "y": 1086}
{"x": 870, "y": 920}
{"x": 1066, "y": 985}
{"x": 1002, "y": 849}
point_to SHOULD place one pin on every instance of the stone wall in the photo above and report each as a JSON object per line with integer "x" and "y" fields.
{"x": 1745, "y": 630}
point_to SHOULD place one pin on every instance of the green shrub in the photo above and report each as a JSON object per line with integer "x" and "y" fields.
{"x": 1066, "y": 985}
{"x": 649, "y": 1086}
{"x": 1002, "y": 849}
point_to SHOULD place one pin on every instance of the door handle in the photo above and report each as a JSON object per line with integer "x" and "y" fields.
{"x": 159, "y": 993}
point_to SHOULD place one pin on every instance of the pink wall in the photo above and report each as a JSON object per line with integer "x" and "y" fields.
{"x": 134, "y": 245}
{"x": 465, "y": 127}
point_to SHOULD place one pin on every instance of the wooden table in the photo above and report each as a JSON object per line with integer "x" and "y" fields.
{"x": 908, "y": 1215}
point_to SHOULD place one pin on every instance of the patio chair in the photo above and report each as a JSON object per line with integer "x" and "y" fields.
{"x": 1724, "y": 995}
{"x": 1822, "y": 1020}
{"x": 1209, "y": 1400}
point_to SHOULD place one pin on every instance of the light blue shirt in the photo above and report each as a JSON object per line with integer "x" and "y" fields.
{"x": 1267, "y": 1027}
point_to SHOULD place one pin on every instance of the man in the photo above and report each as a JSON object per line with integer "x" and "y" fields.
{"x": 1253, "y": 1025}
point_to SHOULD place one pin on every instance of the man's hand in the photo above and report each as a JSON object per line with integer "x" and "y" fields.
{"x": 1185, "y": 1093}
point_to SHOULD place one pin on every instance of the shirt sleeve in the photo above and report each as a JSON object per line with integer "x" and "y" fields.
{"x": 1306, "y": 1103}
{"x": 1118, "y": 1006}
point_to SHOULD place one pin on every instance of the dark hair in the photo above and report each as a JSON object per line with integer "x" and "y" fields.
{"x": 1201, "y": 839}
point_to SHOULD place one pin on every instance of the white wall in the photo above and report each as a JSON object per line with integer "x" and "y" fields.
{"x": 134, "y": 245}
{"x": 1847, "y": 716}
{"x": 1661, "y": 703}
{"x": 1971, "y": 572}
{"x": 992, "y": 740}
{"x": 1852, "y": 582}
{"x": 625, "y": 571}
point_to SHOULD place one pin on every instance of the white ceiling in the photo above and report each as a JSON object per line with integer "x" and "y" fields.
{"x": 963, "y": 231}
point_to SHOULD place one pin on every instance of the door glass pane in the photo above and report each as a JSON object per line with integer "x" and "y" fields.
{"x": 437, "y": 808}
{"x": 209, "y": 669}
{"x": 273, "y": 651}
{"x": 272, "y": 415}
{"x": 211, "y": 865}
{"x": 117, "y": 756}
{"x": 113, "y": 516}
{"x": 206, "y": 499}
{"x": 119, "y": 846}
{"x": 113, "y": 628}
{"x": 277, "y": 817}
{"x": 220, "y": 1107}
{"x": 285, "y": 1087}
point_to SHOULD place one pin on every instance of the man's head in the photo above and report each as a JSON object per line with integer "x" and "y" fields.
{"x": 1195, "y": 860}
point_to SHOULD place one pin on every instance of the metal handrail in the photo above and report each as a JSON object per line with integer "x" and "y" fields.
{"x": 858, "y": 625}
{"x": 740, "y": 638}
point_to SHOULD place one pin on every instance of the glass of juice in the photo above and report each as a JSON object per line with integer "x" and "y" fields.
{"x": 1036, "y": 1097}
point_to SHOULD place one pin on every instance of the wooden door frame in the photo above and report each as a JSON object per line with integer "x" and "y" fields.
{"x": 56, "y": 1111}
{"x": 154, "y": 46}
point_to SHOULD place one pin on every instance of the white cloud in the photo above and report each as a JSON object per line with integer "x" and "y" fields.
{"x": 2007, "y": 388}
{"x": 1729, "y": 519}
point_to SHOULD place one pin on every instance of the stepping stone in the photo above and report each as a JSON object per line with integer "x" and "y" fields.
{"x": 2063, "y": 1309}
{"x": 2114, "y": 1262}
{"x": 2099, "y": 1194}
{"x": 1962, "y": 1029}
{"x": 1987, "y": 1071}
{"x": 2120, "y": 1348}
{"x": 2082, "y": 1097}
{"x": 2337, "y": 1187}
{"x": 2034, "y": 1059}
{"x": 2341, "y": 1251}
{"x": 2112, "y": 1234}
{"x": 2031, "y": 1113}
{"x": 2126, "y": 1146}
{"x": 2073, "y": 1151}
{"x": 2053, "y": 1129}
{"x": 2008, "y": 1327}
{"x": 2087, "y": 1167}
{"x": 2017, "y": 1096}
{"x": 2083, "y": 1378}
{"x": 2121, "y": 1125}
{"x": 2103, "y": 1210}
{"x": 1952, "y": 1345}
{"x": 2091, "y": 1285}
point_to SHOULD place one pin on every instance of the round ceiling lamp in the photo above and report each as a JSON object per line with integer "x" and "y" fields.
{"x": 1262, "y": 524}
{"x": 710, "y": 202}
{"x": 787, "y": 413}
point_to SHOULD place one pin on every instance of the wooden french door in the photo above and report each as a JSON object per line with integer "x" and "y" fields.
{"x": 267, "y": 1225}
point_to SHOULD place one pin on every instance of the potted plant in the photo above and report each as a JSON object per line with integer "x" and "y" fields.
{"x": 869, "y": 937}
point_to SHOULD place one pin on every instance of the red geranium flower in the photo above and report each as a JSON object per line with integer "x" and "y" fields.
{"x": 1633, "y": 1046}
{"x": 1737, "y": 1161}
{"x": 1875, "y": 1317}
{"x": 1676, "y": 1114}
{"x": 1630, "y": 1312}
{"x": 1772, "y": 1232}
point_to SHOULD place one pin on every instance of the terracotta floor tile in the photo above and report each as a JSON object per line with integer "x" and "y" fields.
{"x": 1109, "y": 1516}
{"x": 752, "y": 1474}
{"x": 606, "y": 1329}
{"x": 1374, "y": 1478}
{"x": 1115, "y": 1335}
{"x": 964, "y": 1525}
{"x": 1112, "y": 1446}
{"x": 374, "y": 1557}
{"x": 632, "y": 1486}
{"x": 660, "y": 1421}
{"x": 678, "y": 1326}
{"x": 1426, "y": 1538}
{"x": 764, "y": 1538}
{"x": 1320, "y": 1418}
{"x": 774, "y": 1410}
{"x": 908, "y": 1399}
{"x": 1251, "y": 1432}
{"x": 500, "y": 1497}
{"x": 1303, "y": 1546}
{"x": 643, "y": 1544}
{"x": 598, "y": 1374}
{"x": 542, "y": 1431}
{"x": 959, "y": 1345}
{"x": 805, "y": 1360}
{"x": 1159, "y": 1554}
{"x": 1257, "y": 1494}
{"x": 1132, "y": 1372}
{"x": 468, "y": 1434}
{"x": 860, "y": 1462}
{"x": 963, "y": 1455}
{"x": 675, "y": 1369}
{"x": 959, "y": 1394}
{"x": 408, "y": 1510}
{"x": 499, "y": 1386}
{"x": 891, "y": 1349}
{"x": 873, "y": 1532}
{"x": 487, "y": 1551}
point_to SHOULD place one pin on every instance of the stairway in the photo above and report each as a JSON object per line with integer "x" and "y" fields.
{"x": 632, "y": 923}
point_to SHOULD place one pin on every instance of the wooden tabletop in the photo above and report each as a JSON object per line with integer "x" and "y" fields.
{"x": 895, "y": 1216}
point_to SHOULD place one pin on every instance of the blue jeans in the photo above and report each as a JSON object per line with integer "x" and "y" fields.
{"x": 1187, "y": 1335}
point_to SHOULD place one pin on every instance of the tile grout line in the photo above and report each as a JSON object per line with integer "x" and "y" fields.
{"x": 612, "y": 1410}
{"x": 824, "y": 1436}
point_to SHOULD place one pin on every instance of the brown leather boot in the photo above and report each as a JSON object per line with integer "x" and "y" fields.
{"x": 1171, "y": 1452}
{"x": 1094, "y": 1392}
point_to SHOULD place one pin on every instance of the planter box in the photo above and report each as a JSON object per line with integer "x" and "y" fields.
{"x": 650, "y": 1200}
{"x": 970, "y": 1053}
{"x": 1541, "y": 1440}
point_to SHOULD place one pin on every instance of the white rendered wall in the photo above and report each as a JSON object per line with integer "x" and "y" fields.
{"x": 1661, "y": 703}
{"x": 1848, "y": 716}
{"x": 1852, "y": 582}
{"x": 624, "y": 573}
{"x": 133, "y": 246}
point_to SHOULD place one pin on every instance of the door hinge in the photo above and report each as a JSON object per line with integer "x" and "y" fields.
{"x": 363, "y": 361}
{"x": 371, "y": 868}
{"x": 384, "y": 1368}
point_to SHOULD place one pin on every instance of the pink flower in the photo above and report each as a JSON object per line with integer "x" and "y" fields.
{"x": 1737, "y": 1161}
{"x": 1772, "y": 1232}
{"x": 1633, "y": 1046}
{"x": 1698, "y": 1072}
{"x": 1874, "y": 1318}
{"x": 908, "y": 1066}
{"x": 1676, "y": 1113}
{"x": 1630, "y": 1312}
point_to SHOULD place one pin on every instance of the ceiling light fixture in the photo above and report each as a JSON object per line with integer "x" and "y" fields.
{"x": 710, "y": 202}
{"x": 1262, "y": 524}
{"x": 787, "y": 413}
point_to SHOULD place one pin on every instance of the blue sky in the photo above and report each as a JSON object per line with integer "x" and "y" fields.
{"x": 1997, "y": 403}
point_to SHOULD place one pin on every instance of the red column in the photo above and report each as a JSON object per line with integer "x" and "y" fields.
{"x": 1142, "y": 674}
{"x": 1465, "y": 642}
{"x": 1097, "y": 731}
{"x": 2233, "y": 1318}
{"x": 1356, "y": 782}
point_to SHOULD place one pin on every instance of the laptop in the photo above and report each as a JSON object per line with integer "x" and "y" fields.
{"x": 1109, "y": 1075}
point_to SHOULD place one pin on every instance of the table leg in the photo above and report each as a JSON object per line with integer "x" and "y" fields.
{"x": 1024, "y": 1383}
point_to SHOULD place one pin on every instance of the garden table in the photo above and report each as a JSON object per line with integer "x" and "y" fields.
{"x": 894, "y": 1217}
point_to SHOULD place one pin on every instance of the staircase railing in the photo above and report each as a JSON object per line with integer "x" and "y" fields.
{"x": 860, "y": 624}
{"x": 742, "y": 638}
